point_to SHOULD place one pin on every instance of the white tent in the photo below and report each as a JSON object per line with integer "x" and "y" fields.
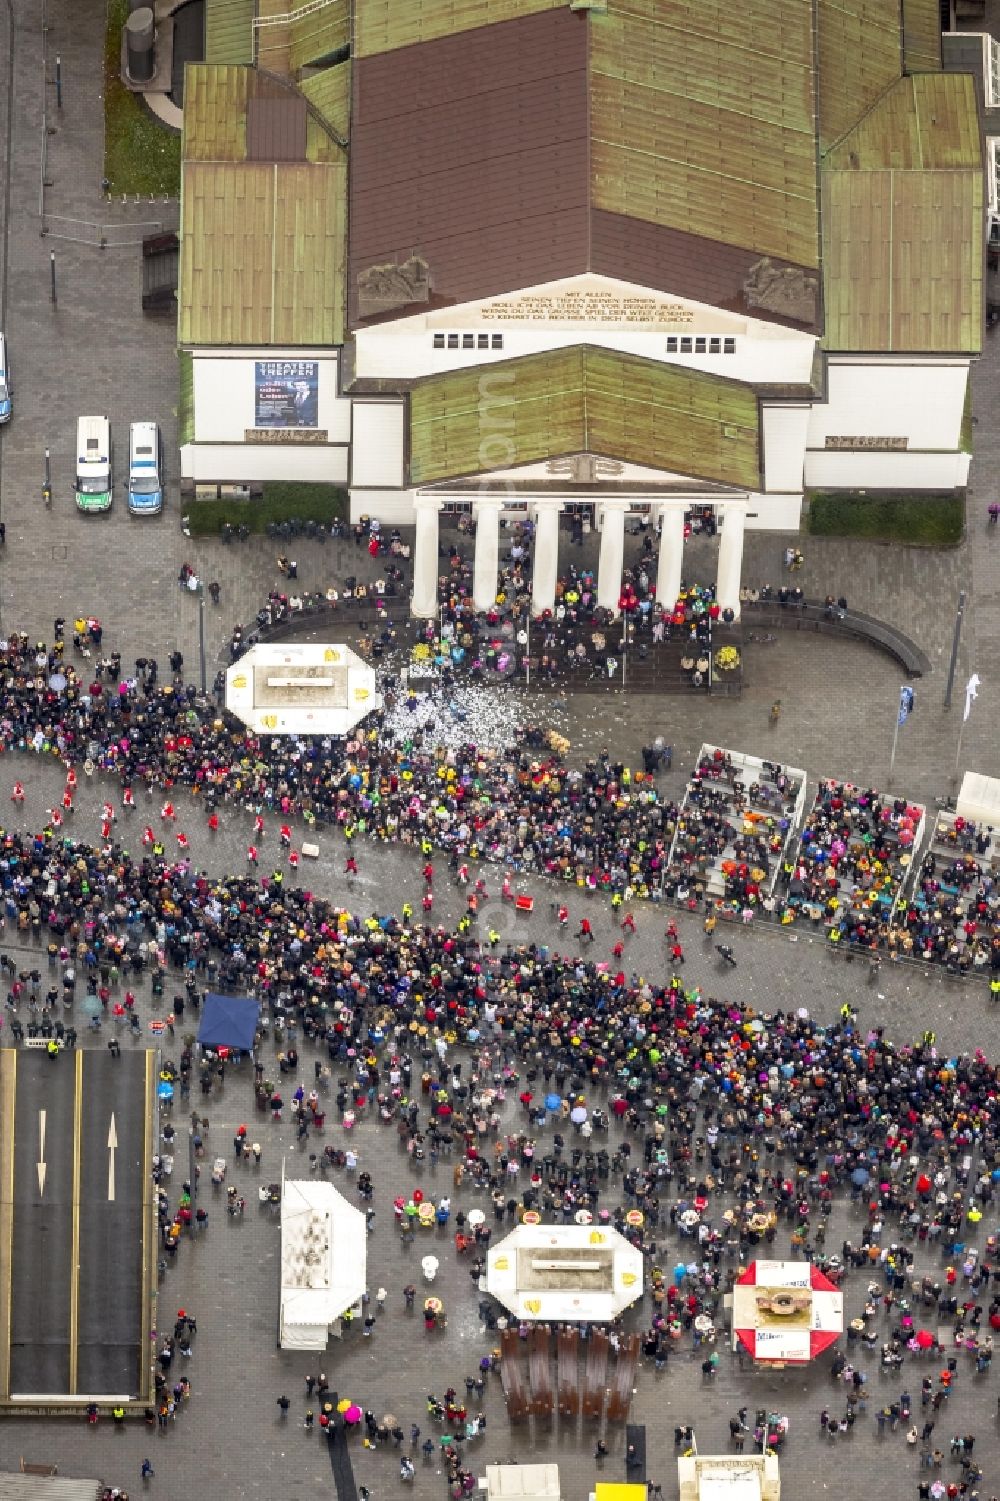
{"x": 729, "y": 1477}
{"x": 521, "y": 1483}
{"x": 979, "y": 799}
{"x": 565, "y": 1272}
{"x": 324, "y": 1256}
{"x": 306, "y": 688}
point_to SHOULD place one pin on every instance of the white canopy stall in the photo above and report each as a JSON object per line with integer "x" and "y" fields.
{"x": 979, "y": 799}
{"x": 729, "y": 1477}
{"x": 324, "y": 1257}
{"x": 303, "y": 688}
{"x": 565, "y": 1272}
{"x": 520, "y": 1483}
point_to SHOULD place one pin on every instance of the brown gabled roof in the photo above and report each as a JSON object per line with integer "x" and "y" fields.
{"x": 529, "y": 150}
{"x": 471, "y": 152}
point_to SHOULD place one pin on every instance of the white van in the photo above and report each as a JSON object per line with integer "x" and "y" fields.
{"x": 94, "y": 481}
{"x": 5, "y": 386}
{"x": 145, "y": 481}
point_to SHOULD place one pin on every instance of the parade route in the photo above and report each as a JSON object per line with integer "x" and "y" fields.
{"x": 77, "y": 1224}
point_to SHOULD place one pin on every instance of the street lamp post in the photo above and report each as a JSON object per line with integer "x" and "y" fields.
{"x": 201, "y": 634}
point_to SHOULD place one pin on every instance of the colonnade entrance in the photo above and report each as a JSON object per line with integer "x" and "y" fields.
{"x": 610, "y": 514}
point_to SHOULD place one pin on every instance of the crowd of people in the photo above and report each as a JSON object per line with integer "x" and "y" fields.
{"x": 734, "y": 824}
{"x": 561, "y": 1084}
{"x": 600, "y": 827}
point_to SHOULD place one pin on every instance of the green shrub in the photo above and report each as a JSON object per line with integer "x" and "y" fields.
{"x": 282, "y": 500}
{"x": 920, "y": 520}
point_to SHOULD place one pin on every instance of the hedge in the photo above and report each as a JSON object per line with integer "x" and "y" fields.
{"x": 282, "y": 500}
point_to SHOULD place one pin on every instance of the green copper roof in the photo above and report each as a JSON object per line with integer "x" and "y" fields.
{"x": 385, "y": 25}
{"x": 903, "y": 223}
{"x": 703, "y": 120}
{"x": 229, "y": 31}
{"x": 584, "y": 400}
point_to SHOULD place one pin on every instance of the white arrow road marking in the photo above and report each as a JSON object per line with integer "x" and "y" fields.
{"x": 41, "y": 1152}
{"x": 112, "y": 1147}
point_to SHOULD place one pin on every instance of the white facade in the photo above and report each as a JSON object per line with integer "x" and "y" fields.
{"x": 236, "y": 442}
{"x": 878, "y": 423}
{"x": 585, "y": 309}
{"x": 905, "y": 416}
{"x": 377, "y": 444}
{"x": 247, "y": 464}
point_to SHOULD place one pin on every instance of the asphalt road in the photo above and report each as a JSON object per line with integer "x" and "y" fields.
{"x": 113, "y": 1180}
{"x": 42, "y": 1235}
{"x": 80, "y": 1217}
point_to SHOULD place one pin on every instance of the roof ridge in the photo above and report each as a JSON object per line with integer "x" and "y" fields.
{"x": 875, "y": 104}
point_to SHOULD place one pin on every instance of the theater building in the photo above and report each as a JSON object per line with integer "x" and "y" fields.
{"x": 618, "y": 256}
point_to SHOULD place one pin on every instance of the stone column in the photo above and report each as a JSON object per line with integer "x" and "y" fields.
{"x": 545, "y": 562}
{"x": 612, "y": 558}
{"x": 670, "y": 567}
{"x": 727, "y": 583}
{"x": 425, "y": 557}
{"x": 484, "y": 586}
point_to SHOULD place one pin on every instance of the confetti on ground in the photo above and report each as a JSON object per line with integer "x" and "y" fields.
{"x": 482, "y": 714}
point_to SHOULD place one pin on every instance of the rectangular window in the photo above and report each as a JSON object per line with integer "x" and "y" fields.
{"x": 439, "y": 341}
{"x": 671, "y": 343}
{"x": 468, "y": 341}
{"x": 685, "y": 346}
{"x": 715, "y": 346}
{"x": 729, "y": 346}
{"x": 482, "y": 341}
{"x": 700, "y": 346}
{"x": 496, "y": 341}
{"x": 453, "y": 341}
{"x": 993, "y": 79}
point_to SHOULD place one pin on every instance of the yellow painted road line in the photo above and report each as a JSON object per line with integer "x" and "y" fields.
{"x": 8, "y": 1093}
{"x": 74, "y": 1268}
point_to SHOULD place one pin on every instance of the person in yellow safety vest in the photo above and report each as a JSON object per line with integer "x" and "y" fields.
{"x": 407, "y": 911}
{"x": 494, "y": 938}
{"x": 52, "y": 1048}
{"x": 995, "y": 988}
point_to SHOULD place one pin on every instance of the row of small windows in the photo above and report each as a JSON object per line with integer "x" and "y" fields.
{"x": 685, "y": 344}
{"x": 676, "y": 343}
{"x": 468, "y": 341}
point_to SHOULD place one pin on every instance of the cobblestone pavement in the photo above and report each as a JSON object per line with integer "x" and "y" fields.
{"x": 92, "y": 351}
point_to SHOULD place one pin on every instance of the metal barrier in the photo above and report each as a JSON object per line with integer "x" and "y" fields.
{"x": 100, "y": 236}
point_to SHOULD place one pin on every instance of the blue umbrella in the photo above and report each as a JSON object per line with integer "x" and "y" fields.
{"x": 165, "y": 1091}
{"x": 860, "y": 1176}
{"x": 553, "y": 1101}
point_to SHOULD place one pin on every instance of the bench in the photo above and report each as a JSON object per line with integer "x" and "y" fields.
{"x": 46, "y": 1470}
{"x": 855, "y": 626}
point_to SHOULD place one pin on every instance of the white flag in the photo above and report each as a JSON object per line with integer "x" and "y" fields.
{"x": 971, "y": 692}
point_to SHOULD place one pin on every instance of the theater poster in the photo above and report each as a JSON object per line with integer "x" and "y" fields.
{"x": 286, "y": 393}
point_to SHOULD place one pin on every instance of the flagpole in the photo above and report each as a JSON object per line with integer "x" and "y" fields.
{"x": 895, "y": 738}
{"x": 958, "y": 751}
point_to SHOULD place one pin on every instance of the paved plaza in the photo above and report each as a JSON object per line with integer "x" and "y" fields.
{"x": 93, "y": 350}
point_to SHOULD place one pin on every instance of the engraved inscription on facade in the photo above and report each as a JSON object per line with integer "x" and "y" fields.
{"x": 891, "y": 445}
{"x": 587, "y": 307}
